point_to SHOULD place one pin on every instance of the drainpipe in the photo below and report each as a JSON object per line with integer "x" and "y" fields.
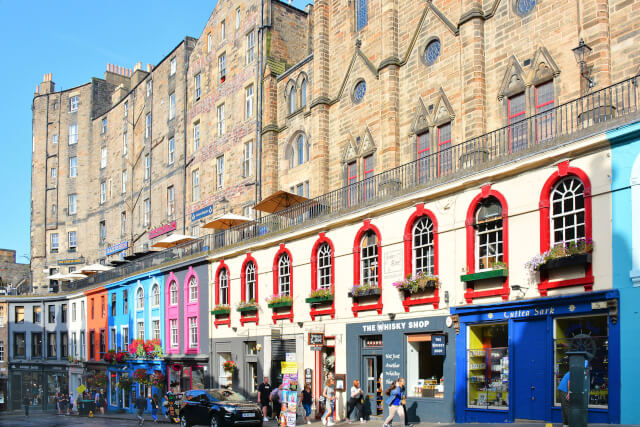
{"x": 258, "y": 189}
{"x": 184, "y": 139}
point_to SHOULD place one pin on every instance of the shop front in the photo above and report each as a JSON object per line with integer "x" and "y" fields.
{"x": 38, "y": 382}
{"x": 421, "y": 350}
{"x": 186, "y": 372}
{"x": 247, "y": 353}
{"x": 512, "y": 356}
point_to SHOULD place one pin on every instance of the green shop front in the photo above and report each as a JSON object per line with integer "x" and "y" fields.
{"x": 510, "y": 357}
{"x": 39, "y": 382}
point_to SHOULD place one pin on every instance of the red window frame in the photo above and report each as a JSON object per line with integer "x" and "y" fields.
{"x": 419, "y": 213}
{"x": 225, "y": 320}
{"x": 251, "y": 317}
{"x": 544, "y": 104}
{"x": 514, "y": 117}
{"x": 282, "y": 313}
{"x": 367, "y": 226}
{"x": 315, "y": 311}
{"x": 366, "y": 174}
{"x": 352, "y": 178}
{"x": 564, "y": 170}
{"x": 440, "y": 155}
{"x": 504, "y": 291}
{"x": 422, "y": 164}
{"x": 543, "y": 132}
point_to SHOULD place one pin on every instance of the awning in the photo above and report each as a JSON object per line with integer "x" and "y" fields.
{"x": 173, "y": 240}
{"x": 227, "y": 221}
{"x": 117, "y": 262}
{"x": 278, "y": 201}
{"x": 94, "y": 268}
{"x": 57, "y": 276}
{"x": 73, "y": 276}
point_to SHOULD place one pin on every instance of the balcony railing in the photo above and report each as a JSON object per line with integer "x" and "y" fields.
{"x": 594, "y": 112}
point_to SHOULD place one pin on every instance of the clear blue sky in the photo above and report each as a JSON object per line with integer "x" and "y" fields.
{"x": 73, "y": 40}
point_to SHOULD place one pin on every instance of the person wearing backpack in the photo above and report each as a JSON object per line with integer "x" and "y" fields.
{"x": 394, "y": 401}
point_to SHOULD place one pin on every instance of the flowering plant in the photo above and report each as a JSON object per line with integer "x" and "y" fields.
{"x": 125, "y": 382}
{"x": 147, "y": 349}
{"x": 362, "y": 289}
{"x": 140, "y": 376}
{"x": 121, "y": 357}
{"x": 250, "y": 303}
{"x": 157, "y": 379}
{"x": 420, "y": 282}
{"x": 222, "y": 307}
{"x": 109, "y": 356}
{"x": 74, "y": 359}
{"x": 97, "y": 380}
{"x": 229, "y": 366}
{"x": 560, "y": 250}
{"x": 275, "y": 299}
{"x": 321, "y": 293}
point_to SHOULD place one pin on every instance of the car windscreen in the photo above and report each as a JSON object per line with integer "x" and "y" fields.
{"x": 227, "y": 395}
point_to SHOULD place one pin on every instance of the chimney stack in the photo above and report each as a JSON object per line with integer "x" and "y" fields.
{"x": 47, "y": 85}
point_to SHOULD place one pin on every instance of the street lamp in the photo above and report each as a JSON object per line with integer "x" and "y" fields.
{"x": 580, "y": 52}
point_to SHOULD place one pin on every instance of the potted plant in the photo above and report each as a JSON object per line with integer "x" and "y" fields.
{"x": 121, "y": 357}
{"x": 319, "y": 296}
{"x": 229, "y": 366}
{"x": 278, "y": 301}
{"x": 125, "y": 382}
{"x": 421, "y": 282}
{"x": 497, "y": 269}
{"x": 365, "y": 290}
{"x": 149, "y": 349}
{"x": 140, "y": 376}
{"x": 221, "y": 310}
{"x": 110, "y": 356}
{"x": 562, "y": 254}
{"x": 157, "y": 380}
{"x": 247, "y": 306}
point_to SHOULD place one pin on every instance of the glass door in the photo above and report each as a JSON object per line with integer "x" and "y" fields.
{"x": 372, "y": 368}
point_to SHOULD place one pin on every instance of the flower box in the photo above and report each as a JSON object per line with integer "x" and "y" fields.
{"x": 365, "y": 293}
{"x": 566, "y": 261}
{"x": 221, "y": 311}
{"x": 247, "y": 309}
{"x": 280, "y": 304}
{"x": 319, "y": 300}
{"x": 429, "y": 286}
{"x": 483, "y": 275}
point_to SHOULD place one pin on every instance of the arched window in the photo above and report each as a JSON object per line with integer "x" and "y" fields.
{"x": 193, "y": 289}
{"x": 324, "y": 266}
{"x": 423, "y": 246}
{"x": 567, "y": 211}
{"x": 223, "y": 287}
{"x": 250, "y": 282}
{"x": 488, "y": 226}
{"x": 140, "y": 299}
{"x": 173, "y": 293}
{"x": 289, "y": 155}
{"x": 303, "y": 93}
{"x": 155, "y": 294}
{"x": 369, "y": 258}
{"x": 284, "y": 275}
{"x": 292, "y": 99}
{"x": 301, "y": 149}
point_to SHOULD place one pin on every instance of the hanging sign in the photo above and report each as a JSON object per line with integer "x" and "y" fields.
{"x": 201, "y": 213}
{"x": 438, "y": 345}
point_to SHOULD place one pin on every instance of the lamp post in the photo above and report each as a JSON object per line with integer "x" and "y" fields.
{"x": 580, "y": 52}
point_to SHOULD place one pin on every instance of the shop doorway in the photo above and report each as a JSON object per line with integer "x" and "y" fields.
{"x": 373, "y": 387}
{"x": 531, "y": 359}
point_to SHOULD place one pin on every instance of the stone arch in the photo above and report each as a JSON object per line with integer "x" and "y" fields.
{"x": 543, "y": 67}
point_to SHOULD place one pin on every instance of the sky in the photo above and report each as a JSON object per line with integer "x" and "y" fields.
{"x": 73, "y": 40}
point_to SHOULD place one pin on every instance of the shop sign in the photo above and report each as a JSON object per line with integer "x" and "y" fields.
{"x": 536, "y": 312}
{"x": 392, "y": 368}
{"x": 289, "y": 367}
{"x": 117, "y": 248}
{"x": 164, "y": 229}
{"x": 396, "y": 326}
{"x": 201, "y": 213}
{"x": 71, "y": 261}
{"x": 438, "y": 347}
{"x": 316, "y": 339}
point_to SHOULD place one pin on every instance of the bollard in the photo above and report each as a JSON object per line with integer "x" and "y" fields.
{"x": 578, "y": 389}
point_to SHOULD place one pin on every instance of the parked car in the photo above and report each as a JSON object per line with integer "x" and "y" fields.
{"x": 218, "y": 407}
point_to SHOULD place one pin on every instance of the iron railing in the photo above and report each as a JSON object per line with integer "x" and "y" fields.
{"x": 596, "y": 111}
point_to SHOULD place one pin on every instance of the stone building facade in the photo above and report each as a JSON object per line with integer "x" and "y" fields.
{"x": 15, "y": 277}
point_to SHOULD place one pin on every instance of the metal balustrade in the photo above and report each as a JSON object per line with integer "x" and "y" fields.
{"x": 596, "y": 111}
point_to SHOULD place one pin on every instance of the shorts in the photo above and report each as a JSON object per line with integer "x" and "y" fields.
{"x": 307, "y": 409}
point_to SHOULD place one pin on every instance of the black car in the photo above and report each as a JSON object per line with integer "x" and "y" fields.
{"x": 218, "y": 407}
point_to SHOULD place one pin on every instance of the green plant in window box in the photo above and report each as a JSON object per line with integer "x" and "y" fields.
{"x": 421, "y": 282}
{"x": 320, "y": 295}
{"x": 366, "y": 289}
{"x": 221, "y": 310}
{"x": 276, "y": 301}
{"x": 562, "y": 254}
{"x": 247, "y": 306}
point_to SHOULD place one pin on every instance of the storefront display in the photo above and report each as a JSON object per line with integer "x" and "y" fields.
{"x": 424, "y": 370}
{"x": 488, "y": 366}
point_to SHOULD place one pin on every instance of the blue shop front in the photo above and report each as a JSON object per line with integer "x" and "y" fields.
{"x": 421, "y": 350}
{"x": 120, "y": 399}
{"x": 510, "y": 357}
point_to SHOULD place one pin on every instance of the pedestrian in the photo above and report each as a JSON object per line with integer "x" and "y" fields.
{"x": 264, "y": 391}
{"x": 102, "y": 402}
{"x": 306, "y": 401}
{"x": 329, "y": 395}
{"x": 394, "y": 401}
{"x": 155, "y": 402}
{"x": 25, "y": 401}
{"x": 140, "y": 405}
{"x": 355, "y": 401}
{"x": 276, "y": 401}
{"x": 404, "y": 405}
{"x": 563, "y": 390}
{"x": 70, "y": 408}
{"x": 56, "y": 399}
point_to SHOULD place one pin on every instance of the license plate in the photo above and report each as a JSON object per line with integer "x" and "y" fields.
{"x": 247, "y": 415}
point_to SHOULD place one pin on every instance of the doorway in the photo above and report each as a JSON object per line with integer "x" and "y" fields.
{"x": 531, "y": 359}
{"x": 373, "y": 387}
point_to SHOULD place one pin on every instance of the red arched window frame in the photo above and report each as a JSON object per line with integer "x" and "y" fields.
{"x": 315, "y": 310}
{"x": 282, "y": 313}
{"x": 564, "y": 170}
{"x": 248, "y": 317}
{"x": 223, "y": 320}
{"x": 357, "y": 307}
{"x": 420, "y": 212}
{"x": 503, "y": 291}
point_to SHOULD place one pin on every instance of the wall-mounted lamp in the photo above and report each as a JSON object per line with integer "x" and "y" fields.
{"x": 580, "y": 53}
{"x": 235, "y": 329}
{"x": 300, "y": 324}
{"x": 392, "y": 316}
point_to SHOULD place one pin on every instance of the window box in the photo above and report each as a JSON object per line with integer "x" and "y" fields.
{"x": 567, "y": 261}
{"x": 247, "y": 309}
{"x": 483, "y": 275}
{"x": 221, "y": 310}
{"x": 280, "y": 304}
{"x": 371, "y": 292}
{"x": 319, "y": 299}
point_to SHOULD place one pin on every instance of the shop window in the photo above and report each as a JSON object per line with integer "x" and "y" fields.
{"x": 488, "y": 226}
{"x": 488, "y": 366}
{"x": 224, "y": 378}
{"x": 567, "y": 211}
{"x": 424, "y": 371}
{"x": 588, "y": 333}
{"x": 197, "y": 378}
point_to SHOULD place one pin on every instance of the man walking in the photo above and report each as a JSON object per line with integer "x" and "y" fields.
{"x": 140, "y": 405}
{"x": 264, "y": 390}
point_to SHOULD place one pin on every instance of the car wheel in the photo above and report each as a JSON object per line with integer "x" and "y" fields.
{"x": 215, "y": 422}
{"x": 184, "y": 422}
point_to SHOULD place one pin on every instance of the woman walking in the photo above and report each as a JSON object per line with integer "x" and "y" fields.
{"x": 307, "y": 401}
{"x": 355, "y": 401}
{"x": 329, "y": 395}
{"x": 155, "y": 402}
{"x": 394, "y": 401}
